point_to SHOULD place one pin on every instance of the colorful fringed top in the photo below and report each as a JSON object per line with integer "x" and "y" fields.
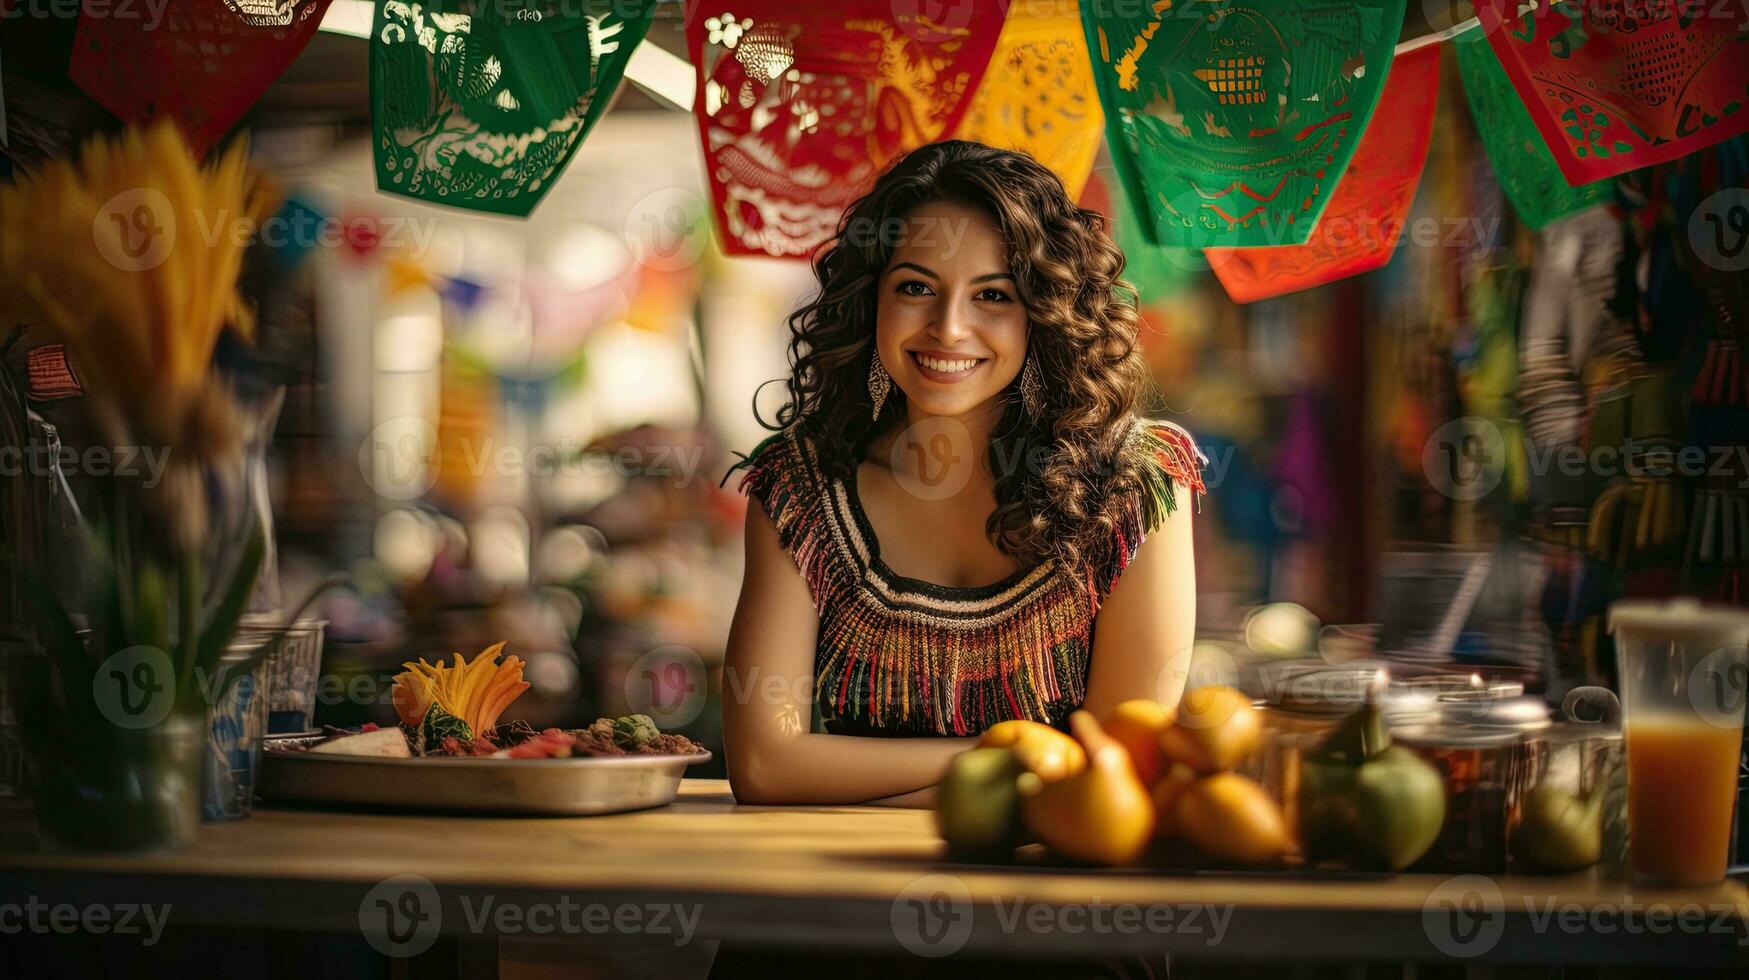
{"x": 897, "y": 656}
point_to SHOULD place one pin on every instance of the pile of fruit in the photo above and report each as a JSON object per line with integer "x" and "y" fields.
{"x": 1134, "y": 782}
{"x": 1147, "y": 785}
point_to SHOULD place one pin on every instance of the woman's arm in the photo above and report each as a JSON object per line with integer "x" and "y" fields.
{"x": 768, "y": 681}
{"x": 1143, "y": 634}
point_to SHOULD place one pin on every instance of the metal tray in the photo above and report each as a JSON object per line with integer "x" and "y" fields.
{"x": 567, "y": 787}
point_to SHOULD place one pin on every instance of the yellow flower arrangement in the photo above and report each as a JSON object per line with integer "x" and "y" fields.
{"x": 475, "y": 693}
{"x": 128, "y": 254}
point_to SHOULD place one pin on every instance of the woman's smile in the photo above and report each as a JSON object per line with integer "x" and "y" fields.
{"x": 944, "y": 368}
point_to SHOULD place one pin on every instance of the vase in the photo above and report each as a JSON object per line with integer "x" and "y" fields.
{"x": 123, "y": 789}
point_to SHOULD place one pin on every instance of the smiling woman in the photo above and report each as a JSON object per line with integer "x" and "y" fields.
{"x": 958, "y": 480}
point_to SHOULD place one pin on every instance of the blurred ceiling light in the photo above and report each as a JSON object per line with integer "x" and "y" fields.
{"x": 500, "y": 546}
{"x": 406, "y": 543}
{"x": 666, "y": 77}
{"x": 565, "y": 555}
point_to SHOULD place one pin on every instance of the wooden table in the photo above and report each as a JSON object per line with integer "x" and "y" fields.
{"x": 850, "y": 878}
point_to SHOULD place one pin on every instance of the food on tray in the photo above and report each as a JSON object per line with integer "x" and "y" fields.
{"x": 453, "y": 711}
{"x": 388, "y": 743}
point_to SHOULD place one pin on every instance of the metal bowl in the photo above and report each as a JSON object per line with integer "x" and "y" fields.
{"x": 577, "y": 786}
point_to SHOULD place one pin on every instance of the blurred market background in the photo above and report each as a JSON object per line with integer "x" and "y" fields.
{"x": 517, "y": 430}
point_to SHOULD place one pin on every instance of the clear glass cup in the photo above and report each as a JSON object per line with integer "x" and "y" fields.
{"x": 1684, "y": 681}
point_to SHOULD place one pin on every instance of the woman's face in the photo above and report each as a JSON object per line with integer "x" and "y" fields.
{"x": 949, "y": 324}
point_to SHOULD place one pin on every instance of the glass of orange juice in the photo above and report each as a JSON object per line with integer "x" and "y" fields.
{"x": 1684, "y": 679}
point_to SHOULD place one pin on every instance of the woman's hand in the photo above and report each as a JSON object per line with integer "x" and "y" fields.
{"x": 1143, "y": 634}
{"x": 768, "y": 679}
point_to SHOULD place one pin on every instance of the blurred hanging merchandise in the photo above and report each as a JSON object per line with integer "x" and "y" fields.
{"x": 1567, "y": 312}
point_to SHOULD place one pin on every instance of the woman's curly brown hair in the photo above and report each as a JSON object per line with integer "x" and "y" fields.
{"x": 1065, "y": 496}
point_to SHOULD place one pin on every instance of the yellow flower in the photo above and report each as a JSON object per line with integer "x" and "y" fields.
{"x": 477, "y": 692}
{"x": 132, "y": 255}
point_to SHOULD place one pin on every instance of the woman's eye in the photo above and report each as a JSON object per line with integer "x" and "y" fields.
{"x": 993, "y": 295}
{"x": 914, "y": 287}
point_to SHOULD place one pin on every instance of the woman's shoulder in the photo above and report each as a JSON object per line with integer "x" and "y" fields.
{"x": 788, "y": 455}
{"x": 1166, "y": 457}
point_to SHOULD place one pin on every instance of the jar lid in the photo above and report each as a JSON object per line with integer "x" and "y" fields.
{"x": 1468, "y": 720}
{"x": 1436, "y": 735}
{"x": 1314, "y": 687}
{"x": 1681, "y": 620}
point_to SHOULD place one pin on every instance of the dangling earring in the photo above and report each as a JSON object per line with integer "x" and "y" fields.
{"x": 879, "y": 383}
{"x": 1032, "y": 390}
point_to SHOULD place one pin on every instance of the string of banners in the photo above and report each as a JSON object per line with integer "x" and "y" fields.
{"x": 1242, "y": 130}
